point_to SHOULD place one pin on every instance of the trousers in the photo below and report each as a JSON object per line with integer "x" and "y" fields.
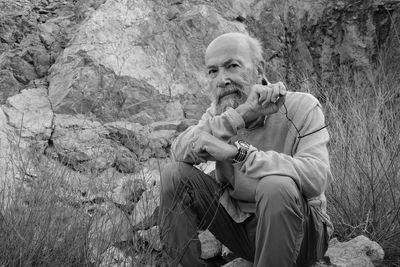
{"x": 284, "y": 230}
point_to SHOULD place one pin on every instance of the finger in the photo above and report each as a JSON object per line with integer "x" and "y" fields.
{"x": 262, "y": 94}
{"x": 282, "y": 89}
{"x": 266, "y": 103}
{"x": 275, "y": 93}
{"x": 269, "y": 89}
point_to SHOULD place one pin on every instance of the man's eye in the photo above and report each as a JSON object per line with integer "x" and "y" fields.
{"x": 233, "y": 65}
{"x": 212, "y": 72}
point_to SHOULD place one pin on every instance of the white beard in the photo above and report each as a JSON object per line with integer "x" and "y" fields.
{"x": 232, "y": 100}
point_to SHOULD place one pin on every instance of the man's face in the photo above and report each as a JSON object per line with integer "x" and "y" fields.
{"x": 231, "y": 71}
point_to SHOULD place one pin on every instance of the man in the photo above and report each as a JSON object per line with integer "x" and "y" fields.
{"x": 266, "y": 202}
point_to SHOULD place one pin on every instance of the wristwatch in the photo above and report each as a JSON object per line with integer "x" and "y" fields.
{"x": 243, "y": 148}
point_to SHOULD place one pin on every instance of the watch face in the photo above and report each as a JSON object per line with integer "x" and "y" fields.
{"x": 243, "y": 143}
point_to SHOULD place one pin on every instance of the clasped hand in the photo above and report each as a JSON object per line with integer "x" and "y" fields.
{"x": 262, "y": 100}
{"x": 208, "y": 147}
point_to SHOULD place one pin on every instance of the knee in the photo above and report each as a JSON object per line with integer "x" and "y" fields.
{"x": 172, "y": 174}
{"x": 277, "y": 193}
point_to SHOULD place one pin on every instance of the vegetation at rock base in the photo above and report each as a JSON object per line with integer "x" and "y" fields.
{"x": 51, "y": 217}
{"x": 38, "y": 227}
{"x": 363, "y": 112}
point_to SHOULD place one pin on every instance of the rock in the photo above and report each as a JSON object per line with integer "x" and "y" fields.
{"x": 80, "y": 143}
{"x": 359, "y": 251}
{"x": 41, "y": 60}
{"x": 227, "y": 254}
{"x": 320, "y": 36}
{"x": 144, "y": 141}
{"x": 26, "y": 126}
{"x": 210, "y": 246}
{"x": 130, "y": 191}
{"x": 125, "y": 161}
{"x": 133, "y": 136}
{"x": 156, "y": 53}
{"x": 113, "y": 217}
{"x": 150, "y": 200}
{"x": 9, "y": 86}
{"x": 152, "y": 236}
{"x": 194, "y": 105}
{"x": 113, "y": 257}
{"x": 90, "y": 88}
{"x": 160, "y": 141}
{"x": 30, "y": 114}
{"x": 165, "y": 125}
{"x": 153, "y": 66}
{"x": 23, "y": 71}
{"x": 148, "y": 222}
{"x": 15, "y": 23}
{"x": 146, "y": 65}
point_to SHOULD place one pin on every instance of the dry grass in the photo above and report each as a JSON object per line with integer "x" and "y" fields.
{"x": 363, "y": 113}
{"x": 37, "y": 228}
{"x": 48, "y": 219}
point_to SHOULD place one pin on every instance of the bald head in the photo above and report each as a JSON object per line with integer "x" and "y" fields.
{"x": 236, "y": 40}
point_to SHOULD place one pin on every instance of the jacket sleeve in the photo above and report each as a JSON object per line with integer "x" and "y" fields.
{"x": 309, "y": 165}
{"x": 222, "y": 126}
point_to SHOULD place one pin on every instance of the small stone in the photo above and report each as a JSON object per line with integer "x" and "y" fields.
{"x": 359, "y": 251}
{"x": 210, "y": 246}
{"x": 152, "y": 236}
{"x": 115, "y": 257}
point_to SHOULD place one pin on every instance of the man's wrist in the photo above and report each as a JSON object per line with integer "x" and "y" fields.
{"x": 232, "y": 152}
{"x": 242, "y": 150}
{"x": 243, "y": 111}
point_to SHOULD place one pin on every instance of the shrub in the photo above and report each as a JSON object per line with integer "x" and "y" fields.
{"x": 362, "y": 110}
{"x": 38, "y": 227}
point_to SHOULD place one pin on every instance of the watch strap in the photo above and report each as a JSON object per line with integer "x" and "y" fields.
{"x": 241, "y": 154}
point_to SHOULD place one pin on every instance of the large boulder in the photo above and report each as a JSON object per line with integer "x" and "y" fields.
{"x": 78, "y": 85}
{"x": 142, "y": 65}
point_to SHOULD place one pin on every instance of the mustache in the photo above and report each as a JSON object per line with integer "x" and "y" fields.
{"x": 229, "y": 89}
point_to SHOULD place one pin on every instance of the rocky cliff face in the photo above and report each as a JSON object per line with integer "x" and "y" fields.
{"x": 102, "y": 86}
{"x": 142, "y": 61}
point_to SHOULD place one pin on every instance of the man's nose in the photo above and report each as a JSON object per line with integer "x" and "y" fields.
{"x": 223, "y": 79}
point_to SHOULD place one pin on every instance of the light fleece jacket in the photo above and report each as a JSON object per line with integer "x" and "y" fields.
{"x": 275, "y": 150}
